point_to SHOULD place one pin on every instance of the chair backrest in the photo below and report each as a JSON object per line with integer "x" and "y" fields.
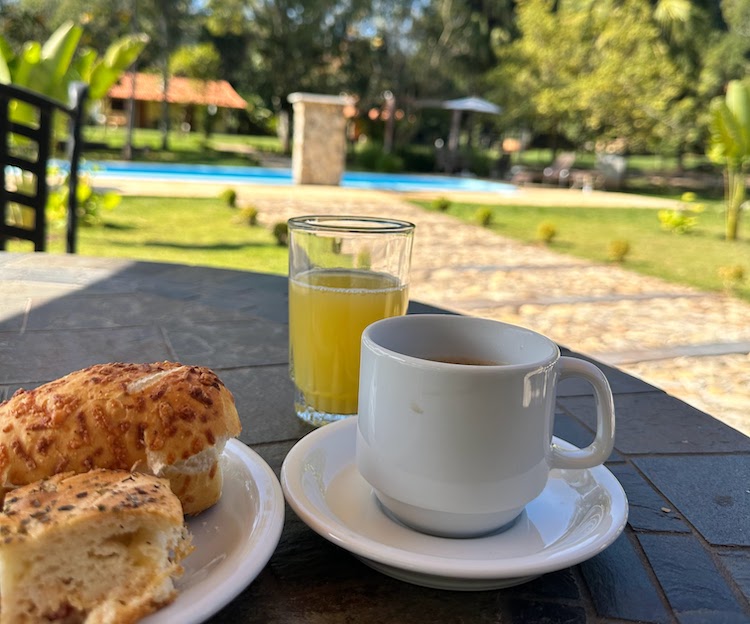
{"x": 25, "y": 151}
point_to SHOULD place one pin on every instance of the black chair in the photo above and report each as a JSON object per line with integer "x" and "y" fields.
{"x": 32, "y": 156}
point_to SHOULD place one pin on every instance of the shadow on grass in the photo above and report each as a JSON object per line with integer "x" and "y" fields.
{"x": 210, "y": 247}
{"x": 121, "y": 227}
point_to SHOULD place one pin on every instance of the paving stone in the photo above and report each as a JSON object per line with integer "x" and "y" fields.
{"x": 620, "y": 586}
{"x": 49, "y": 355}
{"x": 273, "y": 453}
{"x": 619, "y": 382}
{"x": 693, "y": 585}
{"x": 549, "y": 613}
{"x": 222, "y": 345}
{"x": 717, "y": 503}
{"x": 119, "y": 310}
{"x": 417, "y": 307}
{"x": 65, "y": 277}
{"x": 371, "y": 598}
{"x": 673, "y": 427}
{"x": 738, "y": 564}
{"x": 719, "y": 385}
{"x": 12, "y": 312}
{"x": 570, "y": 430}
{"x": 265, "y": 402}
{"x": 559, "y": 585}
{"x": 648, "y": 510}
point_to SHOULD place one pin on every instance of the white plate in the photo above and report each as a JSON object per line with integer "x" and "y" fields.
{"x": 578, "y": 515}
{"x": 233, "y": 540}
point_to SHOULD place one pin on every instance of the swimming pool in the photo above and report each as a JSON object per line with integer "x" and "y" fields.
{"x": 112, "y": 170}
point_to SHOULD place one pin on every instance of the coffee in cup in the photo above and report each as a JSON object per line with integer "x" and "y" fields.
{"x": 455, "y": 420}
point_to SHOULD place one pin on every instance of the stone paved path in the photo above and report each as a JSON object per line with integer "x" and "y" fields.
{"x": 692, "y": 344}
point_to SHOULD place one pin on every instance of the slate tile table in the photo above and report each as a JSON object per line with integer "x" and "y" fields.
{"x": 684, "y": 556}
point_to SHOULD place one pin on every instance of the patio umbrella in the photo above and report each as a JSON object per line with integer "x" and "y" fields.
{"x": 473, "y": 104}
{"x": 467, "y": 104}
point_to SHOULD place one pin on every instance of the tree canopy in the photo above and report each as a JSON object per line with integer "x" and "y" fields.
{"x": 586, "y": 72}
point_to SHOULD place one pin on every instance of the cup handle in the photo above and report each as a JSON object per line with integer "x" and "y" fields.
{"x": 599, "y": 450}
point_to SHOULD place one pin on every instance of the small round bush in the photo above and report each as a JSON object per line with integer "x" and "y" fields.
{"x": 546, "y": 232}
{"x": 281, "y": 233}
{"x": 483, "y": 217}
{"x": 249, "y": 215}
{"x": 441, "y": 204}
{"x": 229, "y": 197}
{"x": 732, "y": 275}
{"x": 618, "y": 250}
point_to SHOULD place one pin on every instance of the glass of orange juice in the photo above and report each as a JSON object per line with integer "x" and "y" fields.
{"x": 344, "y": 273}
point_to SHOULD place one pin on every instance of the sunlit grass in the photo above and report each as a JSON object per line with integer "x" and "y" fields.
{"x": 188, "y": 231}
{"x": 184, "y": 147}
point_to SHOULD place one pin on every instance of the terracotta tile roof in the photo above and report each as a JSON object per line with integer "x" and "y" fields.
{"x": 148, "y": 87}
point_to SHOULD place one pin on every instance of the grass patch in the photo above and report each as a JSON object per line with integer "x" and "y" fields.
{"x": 186, "y": 231}
{"x": 693, "y": 259}
{"x": 184, "y": 147}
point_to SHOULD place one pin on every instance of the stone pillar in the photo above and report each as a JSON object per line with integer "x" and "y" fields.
{"x": 319, "y": 152}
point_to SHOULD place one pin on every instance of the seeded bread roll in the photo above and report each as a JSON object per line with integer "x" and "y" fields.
{"x": 94, "y": 548}
{"x": 165, "y": 419}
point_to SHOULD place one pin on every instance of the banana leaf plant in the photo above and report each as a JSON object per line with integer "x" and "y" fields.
{"x": 730, "y": 146}
{"x": 50, "y": 67}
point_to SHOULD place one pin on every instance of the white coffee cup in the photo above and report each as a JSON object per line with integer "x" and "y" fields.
{"x": 458, "y": 448}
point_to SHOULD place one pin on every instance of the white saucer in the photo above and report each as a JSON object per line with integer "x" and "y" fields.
{"x": 578, "y": 515}
{"x": 233, "y": 540}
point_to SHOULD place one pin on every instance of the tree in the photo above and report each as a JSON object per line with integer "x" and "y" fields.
{"x": 453, "y": 45}
{"x": 289, "y": 46}
{"x": 201, "y": 61}
{"x": 588, "y": 71}
{"x": 20, "y": 23}
{"x": 730, "y": 146}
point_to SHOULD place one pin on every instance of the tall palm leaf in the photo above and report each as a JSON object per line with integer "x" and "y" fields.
{"x": 730, "y": 146}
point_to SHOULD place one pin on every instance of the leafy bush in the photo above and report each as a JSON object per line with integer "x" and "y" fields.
{"x": 546, "y": 232}
{"x": 480, "y": 164}
{"x": 732, "y": 275}
{"x": 229, "y": 197}
{"x": 682, "y": 220}
{"x": 483, "y": 216}
{"x": 248, "y": 215}
{"x": 389, "y": 163}
{"x": 617, "y": 250}
{"x": 689, "y": 197}
{"x": 678, "y": 221}
{"x": 366, "y": 157}
{"x": 90, "y": 203}
{"x": 441, "y": 204}
{"x": 281, "y": 233}
{"x": 417, "y": 158}
{"x": 371, "y": 157}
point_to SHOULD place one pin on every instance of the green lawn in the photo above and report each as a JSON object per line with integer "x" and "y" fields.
{"x": 187, "y": 231}
{"x": 192, "y": 147}
{"x": 693, "y": 258}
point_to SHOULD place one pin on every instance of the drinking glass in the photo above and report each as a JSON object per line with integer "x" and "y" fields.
{"x": 345, "y": 272}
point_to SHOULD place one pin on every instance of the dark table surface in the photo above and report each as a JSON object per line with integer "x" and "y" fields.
{"x": 683, "y": 557}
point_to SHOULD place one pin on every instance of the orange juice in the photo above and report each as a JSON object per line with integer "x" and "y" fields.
{"x": 328, "y": 310}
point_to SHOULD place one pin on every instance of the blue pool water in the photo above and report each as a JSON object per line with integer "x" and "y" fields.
{"x": 111, "y": 170}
